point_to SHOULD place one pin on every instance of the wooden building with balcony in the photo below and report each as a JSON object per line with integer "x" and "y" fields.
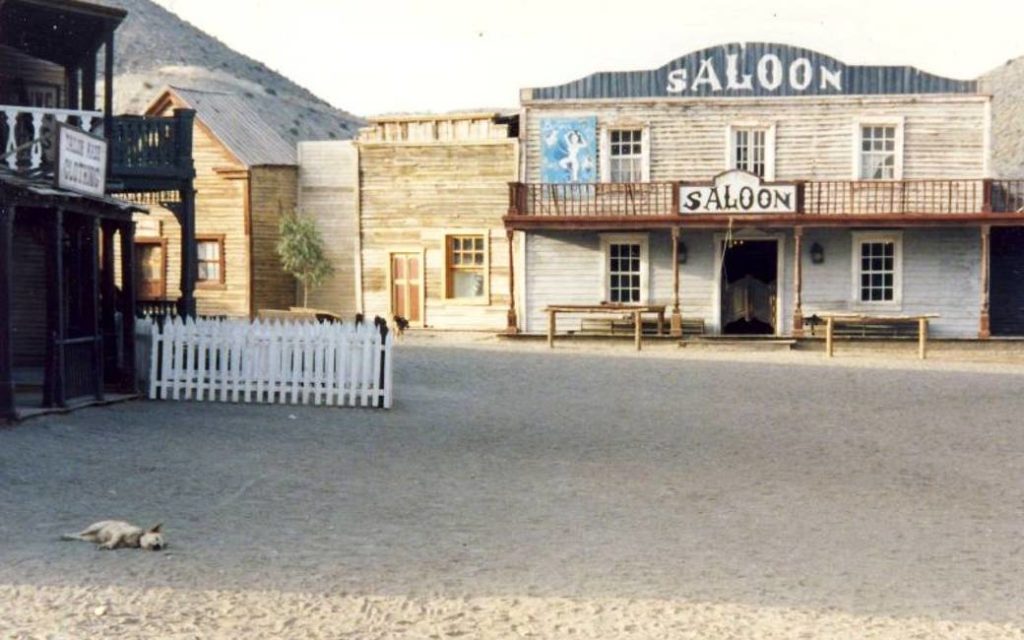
{"x": 66, "y": 232}
{"x": 750, "y": 188}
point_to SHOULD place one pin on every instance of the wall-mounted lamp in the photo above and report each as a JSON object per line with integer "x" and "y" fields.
{"x": 681, "y": 251}
{"x": 817, "y": 253}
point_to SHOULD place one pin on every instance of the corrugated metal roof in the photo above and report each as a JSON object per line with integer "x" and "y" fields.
{"x": 43, "y": 186}
{"x": 238, "y": 127}
{"x": 850, "y": 79}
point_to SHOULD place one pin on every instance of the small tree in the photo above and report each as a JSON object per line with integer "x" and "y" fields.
{"x": 301, "y": 249}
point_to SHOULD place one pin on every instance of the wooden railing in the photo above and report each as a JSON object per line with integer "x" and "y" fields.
{"x": 151, "y": 146}
{"x": 27, "y": 134}
{"x": 820, "y": 197}
{"x": 156, "y": 308}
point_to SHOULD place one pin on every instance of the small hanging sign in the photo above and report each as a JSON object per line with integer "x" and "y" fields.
{"x": 81, "y": 161}
{"x": 737, "y": 191}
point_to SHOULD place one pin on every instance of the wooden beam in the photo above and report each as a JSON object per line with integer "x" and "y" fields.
{"x": 984, "y": 329}
{"x": 512, "y": 326}
{"x": 798, "y": 310}
{"x": 89, "y": 82}
{"x": 189, "y": 266}
{"x": 108, "y": 90}
{"x": 676, "y": 323}
{"x": 56, "y": 319}
{"x": 92, "y": 305}
{"x": 127, "y": 231}
{"x": 7, "y": 410}
{"x": 108, "y": 294}
{"x": 71, "y": 77}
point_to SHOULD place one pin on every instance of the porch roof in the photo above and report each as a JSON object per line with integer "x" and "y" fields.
{"x": 61, "y": 31}
{"x": 38, "y": 190}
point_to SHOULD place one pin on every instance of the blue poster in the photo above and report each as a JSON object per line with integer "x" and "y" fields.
{"x": 568, "y": 150}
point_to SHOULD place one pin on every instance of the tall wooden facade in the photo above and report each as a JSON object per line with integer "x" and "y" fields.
{"x": 66, "y": 327}
{"x": 412, "y": 211}
{"x": 755, "y": 186}
{"x": 245, "y": 182}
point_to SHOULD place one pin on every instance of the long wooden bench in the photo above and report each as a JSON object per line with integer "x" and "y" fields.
{"x": 870, "y": 326}
{"x": 635, "y": 311}
{"x": 624, "y": 326}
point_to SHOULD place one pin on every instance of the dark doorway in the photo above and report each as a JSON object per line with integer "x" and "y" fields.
{"x": 1006, "y": 287}
{"x": 750, "y": 270}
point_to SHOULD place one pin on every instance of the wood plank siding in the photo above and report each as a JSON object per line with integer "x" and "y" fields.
{"x": 421, "y": 181}
{"x": 273, "y": 195}
{"x": 22, "y": 73}
{"x": 327, "y": 193}
{"x": 944, "y": 135}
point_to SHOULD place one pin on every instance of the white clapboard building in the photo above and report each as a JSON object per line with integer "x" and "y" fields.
{"x": 755, "y": 188}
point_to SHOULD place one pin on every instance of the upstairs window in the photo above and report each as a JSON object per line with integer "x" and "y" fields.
{"x": 749, "y": 150}
{"x": 877, "y": 152}
{"x": 626, "y": 155}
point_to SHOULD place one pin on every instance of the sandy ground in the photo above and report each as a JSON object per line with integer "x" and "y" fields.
{"x": 591, "y": 492}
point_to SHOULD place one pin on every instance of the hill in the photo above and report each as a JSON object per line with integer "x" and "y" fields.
{"x": 154, "y": 47}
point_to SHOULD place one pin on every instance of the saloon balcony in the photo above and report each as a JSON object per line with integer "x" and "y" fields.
{"x": 651, "y": 205}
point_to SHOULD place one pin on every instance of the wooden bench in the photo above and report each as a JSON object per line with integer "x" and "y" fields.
{"x": 879, "y": 327}
{"x": 624, "y": 326}
{"x": 634, "y": 311}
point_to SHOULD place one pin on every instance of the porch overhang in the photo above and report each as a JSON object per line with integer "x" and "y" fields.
{"x": 61, "y": 31}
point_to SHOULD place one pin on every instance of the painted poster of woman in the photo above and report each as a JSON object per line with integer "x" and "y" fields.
{"x": 568, "y": 150}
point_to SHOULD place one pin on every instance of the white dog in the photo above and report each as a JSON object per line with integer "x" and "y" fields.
{"x": 115, "y": 534}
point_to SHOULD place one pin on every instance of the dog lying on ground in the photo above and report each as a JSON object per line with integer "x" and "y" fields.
{"x": 115, "y": 534}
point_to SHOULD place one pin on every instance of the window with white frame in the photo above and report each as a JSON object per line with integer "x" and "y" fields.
{"x": 749, "y": 150}
{"x": 625, "y": 267}
{"x": 466, "y": 264}
{"x": 879, "y": 146}
{"x": 877, "y": 268}
{"x": 625, "y": 155}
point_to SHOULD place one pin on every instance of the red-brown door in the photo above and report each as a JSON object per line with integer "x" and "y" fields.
{"x": 150, "y": 270}
{"x": 407, "y": 286}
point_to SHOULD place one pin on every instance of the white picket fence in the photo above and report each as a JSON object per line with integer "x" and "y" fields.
{"x": 270, "y": 361}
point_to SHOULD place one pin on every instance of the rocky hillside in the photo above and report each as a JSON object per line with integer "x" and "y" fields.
{"x": 154, "y": 47}
{"x": 1006, "y": 84}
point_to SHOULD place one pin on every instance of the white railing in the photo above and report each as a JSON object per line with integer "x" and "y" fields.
{"x": 270, "y": 362}
{"x": 24, "y": 132}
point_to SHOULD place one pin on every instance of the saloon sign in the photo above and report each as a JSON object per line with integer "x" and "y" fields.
{"x": 769, "y": 74}
{"x": 737, "y": 192}
{"x": 81, "y": 161}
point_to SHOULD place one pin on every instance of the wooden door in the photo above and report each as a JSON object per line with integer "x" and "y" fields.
{"x": 407, "y": 286}
{"x": 150, "y": 270}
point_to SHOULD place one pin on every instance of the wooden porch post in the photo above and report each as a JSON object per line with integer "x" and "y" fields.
{"x": 512, "y": 326}
{"x": 187, "y": 304}
{"x": 984, "y": 331}
{"x": 798, "y": 309}
{"x": 7, "y": 411}
{"x": 108, "y": 89}
{"x": 676, "y": 322}
{"x": 93, "y": 304}
{"x": 127, "y": 229}
{"x": 89, "y": 82}
{"x": 108, "y": 306}
{"x": 56, "y": 318}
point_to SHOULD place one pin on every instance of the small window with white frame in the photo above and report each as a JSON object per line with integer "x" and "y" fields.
{"x": 625, "y": 268}
{"x": 877, "y": 268}
{"x": 879, "y": 150}
{"x": 748, "y": 150}
{"x": 750, "y": 147}
{"x": 624, "y": 154}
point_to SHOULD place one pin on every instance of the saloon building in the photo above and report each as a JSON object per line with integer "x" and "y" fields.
{"x": 752, "y": 188}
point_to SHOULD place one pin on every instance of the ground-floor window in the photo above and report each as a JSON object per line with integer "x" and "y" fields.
{"x": 466, "y": 265}
{"x": 625, "y": 262}
{"x": 877, "y": 268}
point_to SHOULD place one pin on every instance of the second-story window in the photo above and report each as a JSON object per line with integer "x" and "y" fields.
{"x": 878, "y": 152}
{"x": 749, "y": 153}
{"x": 625, "y": 155}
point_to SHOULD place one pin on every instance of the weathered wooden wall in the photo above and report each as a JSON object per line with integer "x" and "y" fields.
{"x": 413, "y": 194}
{"x": 274, "y": 195}
{"x": 222, "y": 191}
{"x": 28, "y": 307}
{"x": 944, "y": 136}
{"x": 328, "y": 180}
{"x": 16, "y": 65}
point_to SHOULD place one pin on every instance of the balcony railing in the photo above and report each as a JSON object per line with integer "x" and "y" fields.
{"x": 817, "y": 198}
{"x": 26, "y": 140}
{"x": 151, "y": 146}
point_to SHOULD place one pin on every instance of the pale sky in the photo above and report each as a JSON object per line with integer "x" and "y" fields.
{"x": 387, "y": 56}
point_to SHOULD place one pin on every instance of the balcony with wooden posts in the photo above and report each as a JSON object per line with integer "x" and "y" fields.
{"x": 816, "y": 203}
